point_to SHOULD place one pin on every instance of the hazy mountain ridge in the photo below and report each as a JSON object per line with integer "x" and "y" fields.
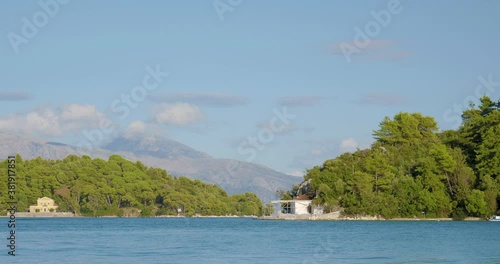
{"x": 30, "y": 148}
{"x": 154, "y": 146}
{"x": 178, "y": 159}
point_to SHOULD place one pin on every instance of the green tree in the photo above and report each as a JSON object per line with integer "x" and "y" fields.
{"x": 411, "y": 169}
{"x": 268, "y": 209}
{"x": 476, "y": 204}
{"x": 95, "y": 187}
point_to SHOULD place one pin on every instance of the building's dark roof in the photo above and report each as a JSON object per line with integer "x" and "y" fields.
{"x": 303, "y": 197}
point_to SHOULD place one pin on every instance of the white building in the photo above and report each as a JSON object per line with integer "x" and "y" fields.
{"x": 301, "y": 204}
{"x": 298, "y": 207}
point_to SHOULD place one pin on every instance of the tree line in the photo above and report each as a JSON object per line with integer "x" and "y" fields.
{"x": 414, "y": 170}
{"x": 118, "y": 187}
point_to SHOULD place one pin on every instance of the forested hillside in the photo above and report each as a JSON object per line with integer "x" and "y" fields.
{"x": 159, "y": 152}
{"x": 413, "y": 170}
{"x": 95, "y": 187}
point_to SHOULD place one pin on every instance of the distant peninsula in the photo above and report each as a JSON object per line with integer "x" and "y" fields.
{"x": 118, "y": 187}
{"x": 413, "y": 171}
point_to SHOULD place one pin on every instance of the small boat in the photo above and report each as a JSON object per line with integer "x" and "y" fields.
{"x": 495, "y": 218}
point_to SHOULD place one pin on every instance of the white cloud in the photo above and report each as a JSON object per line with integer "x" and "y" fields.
{"x": 139, "y": 128}
{"x": 201, "y": 99}
{"x": 51, "y": 121}
{"x": 299, "y": 100}
{"x": 318, "y": 150}
{"x": 313, "y": 152}
{"x": 348, "y": 145}
{"x": 43, "y": 120}
{"x": 376, "y": 50}
{"x": 135, "y": 128}
{"x": 75, "y": 117}
{"x": 296, "y": 173}
{"x": 15, "y": 96}
{"x": 382, "y": 99}
{"x": 284, "y": 129}
{"x": 177, "y": 114}
{"x": 76, "y": 112}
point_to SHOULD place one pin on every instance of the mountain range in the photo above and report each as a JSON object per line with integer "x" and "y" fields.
{"x": 178, "y": 159}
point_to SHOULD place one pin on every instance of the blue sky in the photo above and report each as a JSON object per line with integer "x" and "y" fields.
{"x": 233, "y": 64}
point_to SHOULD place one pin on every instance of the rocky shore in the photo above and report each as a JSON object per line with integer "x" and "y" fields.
{"x": 320, "y": 217}
{"x": 45, "y": 215}
{"x": 337, "y": 216}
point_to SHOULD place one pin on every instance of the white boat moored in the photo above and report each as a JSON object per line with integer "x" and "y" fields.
{"x": 495, "y": 218}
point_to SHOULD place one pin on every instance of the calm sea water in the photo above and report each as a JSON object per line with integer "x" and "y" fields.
{"x": 121, "y": 240}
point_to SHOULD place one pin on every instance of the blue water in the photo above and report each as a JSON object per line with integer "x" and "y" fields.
{"x": 125, "y": 240}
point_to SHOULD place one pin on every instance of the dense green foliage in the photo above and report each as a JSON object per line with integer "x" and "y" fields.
{"x": 413, "y": 170}
{"x": 95, "y": 187}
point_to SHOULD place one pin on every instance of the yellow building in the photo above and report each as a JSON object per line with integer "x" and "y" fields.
{"x": 43, "y": 205}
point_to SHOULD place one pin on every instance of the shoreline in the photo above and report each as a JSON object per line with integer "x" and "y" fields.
{"x": 335, "y": 216}
{"x": 27, "y": 215}
{"x": 378, "y": 220}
